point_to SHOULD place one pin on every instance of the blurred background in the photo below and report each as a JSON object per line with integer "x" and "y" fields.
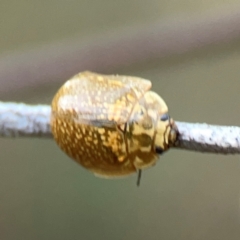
{"x": 190, "y": 50}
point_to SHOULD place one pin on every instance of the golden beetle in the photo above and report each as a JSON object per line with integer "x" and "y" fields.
{"x": 111, "y": 125}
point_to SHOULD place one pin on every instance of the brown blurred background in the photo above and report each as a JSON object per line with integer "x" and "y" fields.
{"x": 191, "y": 52}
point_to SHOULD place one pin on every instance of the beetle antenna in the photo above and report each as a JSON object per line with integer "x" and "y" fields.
{"x": 139, "y": 177}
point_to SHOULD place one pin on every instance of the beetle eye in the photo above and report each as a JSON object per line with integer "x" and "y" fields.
{"x": 164, "y": 117}
{"x": 159, "y": 150}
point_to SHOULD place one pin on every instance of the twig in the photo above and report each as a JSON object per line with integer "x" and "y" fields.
{"x": 203, "y": 137}
{"x": 21, "y": 120}
{"x": 109, "y": 52}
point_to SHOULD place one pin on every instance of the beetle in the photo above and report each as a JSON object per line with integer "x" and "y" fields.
{"x": 112, "y": 125}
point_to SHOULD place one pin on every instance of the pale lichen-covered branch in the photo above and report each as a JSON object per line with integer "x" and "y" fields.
{"x": 22, "y": 120}
{"x": 203, "y": 137}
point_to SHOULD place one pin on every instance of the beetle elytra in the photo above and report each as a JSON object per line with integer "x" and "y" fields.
{"x": 112, "y": 125}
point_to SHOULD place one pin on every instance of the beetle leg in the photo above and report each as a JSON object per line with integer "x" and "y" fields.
{"x": 139, "y": 177}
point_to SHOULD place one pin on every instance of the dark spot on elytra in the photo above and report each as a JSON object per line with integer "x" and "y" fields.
{"x": 144, "y": 139}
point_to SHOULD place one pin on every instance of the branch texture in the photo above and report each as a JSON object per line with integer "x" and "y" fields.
{"x": 21, "y": 120}
{"x": 203, "y": 137}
